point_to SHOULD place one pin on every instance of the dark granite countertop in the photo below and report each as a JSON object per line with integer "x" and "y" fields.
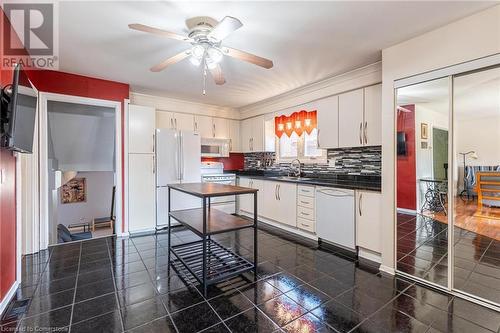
{"x": 352, "y": 182}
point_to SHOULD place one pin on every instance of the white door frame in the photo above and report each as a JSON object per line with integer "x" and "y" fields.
{"x": 43, "y": 146}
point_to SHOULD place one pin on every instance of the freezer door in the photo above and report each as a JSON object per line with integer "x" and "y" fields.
{"x": 190, "y": 161}
{"x": 162, "y": 207}
{"x": 167, "y": 157}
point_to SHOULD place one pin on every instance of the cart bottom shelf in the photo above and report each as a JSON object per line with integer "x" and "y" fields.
{"x": 222, "y": 263}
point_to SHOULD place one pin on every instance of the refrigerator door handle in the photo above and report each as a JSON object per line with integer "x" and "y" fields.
{"x": 177, "y": 159}
{"x": 181, "y": 158}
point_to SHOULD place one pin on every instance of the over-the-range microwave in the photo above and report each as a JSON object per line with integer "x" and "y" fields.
{"x": 214, "y": 147}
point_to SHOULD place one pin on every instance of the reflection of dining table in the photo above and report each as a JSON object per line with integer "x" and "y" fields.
{"x": 435, "y": 194}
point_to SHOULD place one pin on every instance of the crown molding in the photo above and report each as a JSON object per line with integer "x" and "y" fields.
{"x": 161, "y": 103}
{"x": 355, "y": 79}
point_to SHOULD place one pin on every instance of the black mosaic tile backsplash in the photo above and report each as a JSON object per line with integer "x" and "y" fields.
{"x": 346, "y": 161}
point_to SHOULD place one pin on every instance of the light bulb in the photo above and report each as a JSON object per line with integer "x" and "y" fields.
{"x": 197, "y": 51}
{"x": 298, "y": 124}
{"x": 195, "y": 61}
{"x": 215, "y": 54}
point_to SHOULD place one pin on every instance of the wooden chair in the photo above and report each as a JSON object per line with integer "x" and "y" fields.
{"x": 106, "y": 221}
{"x": 487, "y": 188}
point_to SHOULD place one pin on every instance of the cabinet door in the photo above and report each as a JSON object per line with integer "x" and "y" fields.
{"x": 351, "y": 119}
{"x": 328, "y": 122}
{"x": 141, "y": 129}
{"x": 368, "y": 220}
{"x": 258, "y": 133}
{"x": 287, "y": 204}
{"x": 141, "y": 189}
{"x": 184, "y": 122}
{"x": 373, "y": 116}
{"x": 221, "y": 128}
{"x": 245, "y": 200}
{"x": 269, "y": 136}
{"x": 269, "y": 203}
{"x": 204, "y": 126}
{"x": 234, "y": 136}
{"x": 246, "y": 135}
{"x": 164, "y": 119}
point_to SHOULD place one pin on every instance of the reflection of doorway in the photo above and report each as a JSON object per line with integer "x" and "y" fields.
{"x": 439, "y": 153}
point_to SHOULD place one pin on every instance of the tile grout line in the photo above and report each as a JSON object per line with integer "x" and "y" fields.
{"x": 114, "y": 286}
{"x": 76, "y": 286}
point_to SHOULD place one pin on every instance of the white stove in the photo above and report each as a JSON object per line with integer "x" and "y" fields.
{"x": 213, "y": 172}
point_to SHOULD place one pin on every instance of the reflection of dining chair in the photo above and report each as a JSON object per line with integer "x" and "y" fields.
{"x": 465, "y": 192}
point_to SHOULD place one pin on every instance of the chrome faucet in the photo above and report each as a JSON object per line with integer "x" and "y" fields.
{"x": 294, "y": 170}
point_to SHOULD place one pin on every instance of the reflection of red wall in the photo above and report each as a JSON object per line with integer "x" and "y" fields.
{"x": 406, "y": 165}
{"x": 235, "y": 161}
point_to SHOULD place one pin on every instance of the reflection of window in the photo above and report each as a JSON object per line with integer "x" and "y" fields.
{"x": 289, "y": 146}
{"x": 311, "y": 144}
{"x": 304, "y": 147}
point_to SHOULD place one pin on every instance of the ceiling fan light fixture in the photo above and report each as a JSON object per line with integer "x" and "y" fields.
{"x": 198, "y": 51}
{"x": 215, "y": 55}
{"x": 195, "y": 61}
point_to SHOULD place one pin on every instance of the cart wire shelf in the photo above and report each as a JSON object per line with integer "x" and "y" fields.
{"x": 222, "y": 263}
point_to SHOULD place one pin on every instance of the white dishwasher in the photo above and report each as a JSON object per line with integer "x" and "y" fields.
{"x": 335, "y": 216}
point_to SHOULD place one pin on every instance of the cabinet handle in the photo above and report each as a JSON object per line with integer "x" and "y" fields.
{"x": 154, "y": 165}
{"x": 171, "y": 123}
{"x": 196, "y": 126}
{"x": 361, "y": 133}
{"x": 304, "y": 202}
{"x": 305, "y": 225}
{"x": 306, "y": 214}
{"x": 366, "y": 132}
{"x": 317, "y": 140}
{"x": 276, "y": 192}
{"x": 230, "y": 145}
{"x": 154, "y": 143}
{"x": 279, "y": 192}
{"x": 175, "y": 123}
{"x": 213, "y": 130}
{"x": 359, "y": 204}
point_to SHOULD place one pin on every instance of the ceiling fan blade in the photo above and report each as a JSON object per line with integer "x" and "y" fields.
{"x": 225, "y": 27}
{"x": 170, "y": 61}
{"x": 218, "y": 76}
{"x": 156, "y": 31}
{"x": 248, "y": 57}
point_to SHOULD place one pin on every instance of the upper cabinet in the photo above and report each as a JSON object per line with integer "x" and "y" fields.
{"x": 234, "y": 136}
{"x": 373, "y": 116}
{"x": 220, "y": 128}
{"x": 203, "y": 125}
{"x": 141, "y": 129}
{"x": 328, "y": 122}
{"x": 257, "y": 134}
{"x": 178, "y": 121}
{"x": 351, "y": 119}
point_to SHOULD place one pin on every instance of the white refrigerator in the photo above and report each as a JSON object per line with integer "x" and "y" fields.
{"x": 178, "y": 160}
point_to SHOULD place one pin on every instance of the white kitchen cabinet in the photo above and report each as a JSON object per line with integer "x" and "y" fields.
{"x": 234, "y": 136}
{"x": 141, "y": 129}
{"x": 141, "y": 192}
{"x": 183, "y": 122}
{"x": 328, "y": 122}
{"x": 368, "y": 220}
{"x": 245, "y": 201}
{"x": 258, "y": 132}
{"x": 220, "y": 128}
{"x": 164, "y": 119}
{"x": 351, "y": 119}
{"x": 246, "y": 135}
{"x": 372, "y": 134}
{"x": 204, "y": 126}
{"x": 280, "y": 202}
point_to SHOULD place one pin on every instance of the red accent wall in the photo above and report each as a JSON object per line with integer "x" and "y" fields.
{"x": 406, "y": 165}
{"x": 235, "y": 161}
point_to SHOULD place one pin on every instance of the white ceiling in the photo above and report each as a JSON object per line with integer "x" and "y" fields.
{"x": 308, "y": 41}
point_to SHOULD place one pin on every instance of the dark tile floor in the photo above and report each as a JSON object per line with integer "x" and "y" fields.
{"x": 109, "y": 285}
{"x": 422, "y": 251}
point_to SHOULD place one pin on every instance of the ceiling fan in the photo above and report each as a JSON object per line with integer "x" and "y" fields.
{"x": 205, "y": 36}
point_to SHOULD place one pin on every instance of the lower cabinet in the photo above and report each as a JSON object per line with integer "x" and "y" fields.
{"x": 245, "y": 201}
{"x": 141, "y": 192}
{"x": 368, "y": 220}
{"x": 280, "y": 202}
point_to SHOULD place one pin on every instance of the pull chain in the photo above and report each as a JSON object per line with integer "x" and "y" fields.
{"x": 204, "y": 91}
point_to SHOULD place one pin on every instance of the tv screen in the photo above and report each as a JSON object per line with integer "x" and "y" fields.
{"x": 401, "y": 139}
{"x": 20, "y": 102}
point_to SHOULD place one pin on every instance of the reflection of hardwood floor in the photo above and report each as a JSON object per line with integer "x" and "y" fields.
{"x": 465, "y": 219}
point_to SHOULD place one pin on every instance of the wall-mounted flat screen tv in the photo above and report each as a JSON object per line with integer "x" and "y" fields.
{"x": 19, "y": 104}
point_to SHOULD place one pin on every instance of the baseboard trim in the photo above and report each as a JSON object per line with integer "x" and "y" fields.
{"x": 387, "y": 269}
{"x": 8, "y": 297}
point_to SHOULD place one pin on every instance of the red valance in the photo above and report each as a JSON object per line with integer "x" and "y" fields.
{"x": 298, "y": 122}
